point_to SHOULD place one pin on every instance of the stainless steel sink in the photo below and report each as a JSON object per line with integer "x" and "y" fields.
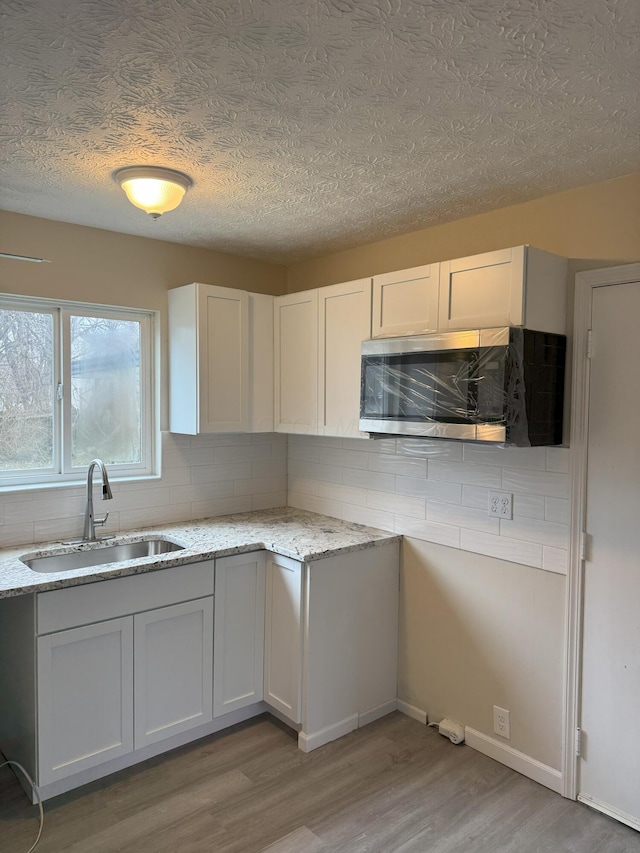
{"x": 83, "y": 558}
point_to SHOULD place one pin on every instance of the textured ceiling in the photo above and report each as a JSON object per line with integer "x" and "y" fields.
{"x": 312, "y": 125}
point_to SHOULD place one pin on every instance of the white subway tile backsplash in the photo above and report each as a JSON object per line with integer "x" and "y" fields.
{"x": 201, "y": 491}
{"x": 558, "y": 459}
{"x": 260, "y": 485}
{"x": 275, "y": 468}
{"x": 535, "y": 482}
{"x": 556, "y": 509}
{"x": 269, "y": 500}
{"x": 439, "y": 491}
{"x": 467, "y": 473}
{"x": 425, "y": 448}
{"x": 16, "y": 534}
{"x": 241, "y": 453}
{"x": 462, "y": 516}
{"x": 370, "y": 445}
{"x": 404, "y": 466}
{"x": 555, "y": 560}
{"x": 512, "y": 457}
{"x": 448, "y": 492}
{"x": 368, "y": 516}
{"x": 224, "y": 471}
{"x": 514, "y": 550}
{"x": 534, "y": 530}
{"x": 400, "y": 504}
{"x": 442, "y": 534}
{"x": 369, "y": 480}
{"x": 202, "y": 476}
{"x": 220, "y": 506}
{"x": 315, "y": 504}
{"x": 315, "y": 471}
{"x": 342, "y": 457}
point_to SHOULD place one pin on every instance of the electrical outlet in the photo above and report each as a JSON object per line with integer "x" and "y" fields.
{"x": 501, "y": 722}
{"x": 501, "y": 505}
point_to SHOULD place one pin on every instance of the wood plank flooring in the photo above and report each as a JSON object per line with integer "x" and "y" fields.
{"x": 393, "y": 787}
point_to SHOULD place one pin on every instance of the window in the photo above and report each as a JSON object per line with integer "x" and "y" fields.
{"x": 76, "y": 383}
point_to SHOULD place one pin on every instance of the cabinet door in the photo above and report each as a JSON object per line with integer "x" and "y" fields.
{"x": 85, "y": 697}
{"x": 483, "y": 290}
{"x": 260, "y": 362}
{"x": 238, "y": 646}
{"x": 223, "y": 359}
{"x": 296, "y": 362}
{"x": 344, "y": 313}
{"x": 173, "y": 670}
{"x": 405, "y": 302}
{"x": 283, "y": 637}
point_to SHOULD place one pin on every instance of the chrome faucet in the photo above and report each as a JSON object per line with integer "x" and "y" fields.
{"x": 90, "y": 521}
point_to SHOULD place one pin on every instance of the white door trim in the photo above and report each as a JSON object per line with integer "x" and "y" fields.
{"x": 585, "y": 283}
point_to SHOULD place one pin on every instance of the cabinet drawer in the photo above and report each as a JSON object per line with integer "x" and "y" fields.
{"x": 95, "y": 602}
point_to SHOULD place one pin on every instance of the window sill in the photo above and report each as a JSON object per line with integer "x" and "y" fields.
{"x": 75, "y": 483}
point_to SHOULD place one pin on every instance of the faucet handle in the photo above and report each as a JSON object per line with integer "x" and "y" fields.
{"x": 102, "y": 520}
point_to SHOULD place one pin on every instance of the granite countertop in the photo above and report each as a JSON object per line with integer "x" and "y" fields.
{"x": 295, "y": 533}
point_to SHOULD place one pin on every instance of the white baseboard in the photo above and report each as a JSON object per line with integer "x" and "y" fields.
{"x": 413, "y": 712}
{"x": 610, "y": 811}
{"x": 376, "y": 713}
{"x": 510, "y": 757}
{"x": 311, "y": 741}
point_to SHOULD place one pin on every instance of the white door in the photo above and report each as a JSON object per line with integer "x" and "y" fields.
{"x": 610, "y": 767}
{"x": 173, "y": 670}
{"x": 85, "y": 698}
{"x": 238, "y": 648}
{"x": 296, "y": 362}
{"x": 283, "y": 637}
{"x": 344, "y": 322}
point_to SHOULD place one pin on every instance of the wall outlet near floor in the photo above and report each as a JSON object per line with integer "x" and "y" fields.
{"x": 501, "y": 722}
{"x": 501, "y": 505}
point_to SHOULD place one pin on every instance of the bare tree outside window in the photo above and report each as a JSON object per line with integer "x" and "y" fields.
{"x": 76, "y": 383}
{"x": 26, "y": 390}
{"x": 105, "y": 390}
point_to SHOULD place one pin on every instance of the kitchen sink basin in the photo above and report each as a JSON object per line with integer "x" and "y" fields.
{"x": 84, "y": 557}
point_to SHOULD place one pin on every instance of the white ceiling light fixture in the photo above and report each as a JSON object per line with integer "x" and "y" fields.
{"x": 153, "y": 189}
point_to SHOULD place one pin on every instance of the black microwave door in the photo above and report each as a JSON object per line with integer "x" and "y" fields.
{"x": 419, "y": 387}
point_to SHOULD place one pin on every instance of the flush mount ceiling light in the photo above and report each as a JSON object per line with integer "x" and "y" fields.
{"x": 153, "y": 189}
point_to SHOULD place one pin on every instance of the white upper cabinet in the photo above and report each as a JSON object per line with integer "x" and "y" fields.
{"x": 217, "y": 336}
{"x": 522, "y": 286}
{"x": 344, "y": 314}
{"x": 405, "y": 302}
{"x": 296, "y": 362}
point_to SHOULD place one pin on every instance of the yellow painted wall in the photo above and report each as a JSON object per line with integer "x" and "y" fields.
{"x": 92, "y": 265}
{"x": 599, "y": 225}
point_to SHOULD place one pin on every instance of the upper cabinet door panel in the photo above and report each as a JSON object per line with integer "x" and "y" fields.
{"x": 296, "y": 362}
{"x": 406, "y": 302}
{"x": 224, "y": 363}
{"x": 344, "y": 322}
{"x": 483, "y": 290}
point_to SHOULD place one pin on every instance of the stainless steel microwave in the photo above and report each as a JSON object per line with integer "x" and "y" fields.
{"x": 502, "y": 385}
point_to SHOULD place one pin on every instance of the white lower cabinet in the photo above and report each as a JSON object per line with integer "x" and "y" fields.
{"x": 173, "y": 650}
{"x": 283, "y": 636}
{"x": 151, "y": 669}
{"x": 239, "y": 632}
{"x": 85, "y": 697}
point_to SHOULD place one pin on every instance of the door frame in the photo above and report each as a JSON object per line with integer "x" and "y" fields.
{"x": 585, "y": 284}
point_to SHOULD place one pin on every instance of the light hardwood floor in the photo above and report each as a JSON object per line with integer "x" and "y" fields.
{"x": 393, "y": 786}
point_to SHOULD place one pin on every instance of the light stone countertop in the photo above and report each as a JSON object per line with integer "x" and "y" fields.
{"x": 295, "y": 533}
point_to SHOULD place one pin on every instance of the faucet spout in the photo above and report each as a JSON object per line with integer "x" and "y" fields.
{"x": 90, "y": 521}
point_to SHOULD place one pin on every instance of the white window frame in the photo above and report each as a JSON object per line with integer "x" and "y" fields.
{"x": 62, "y": 472}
